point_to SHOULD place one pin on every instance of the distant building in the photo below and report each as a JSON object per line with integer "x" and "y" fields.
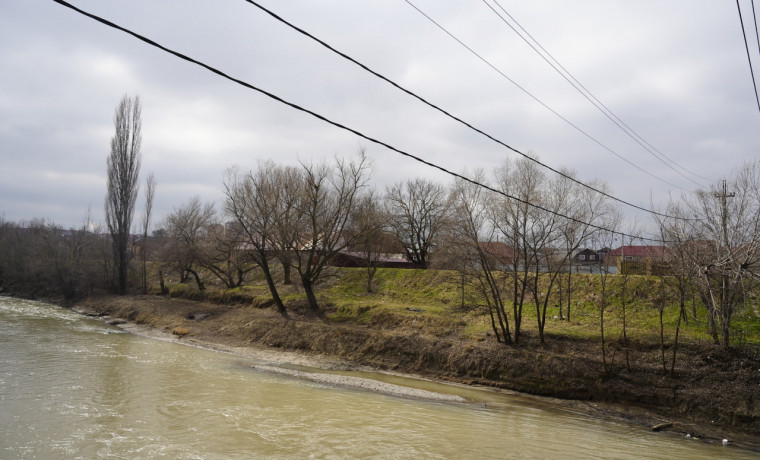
{"x": 383, "y": 260}
{"x": 639, "y": 260}
{"x": 587, "y": 257}
{"x": 500, "y": 255}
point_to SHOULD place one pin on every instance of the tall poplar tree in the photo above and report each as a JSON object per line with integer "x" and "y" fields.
{"x": 123, "y": 171}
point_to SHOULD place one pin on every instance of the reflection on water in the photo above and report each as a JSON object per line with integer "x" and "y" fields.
{"x": 72, "y": 387}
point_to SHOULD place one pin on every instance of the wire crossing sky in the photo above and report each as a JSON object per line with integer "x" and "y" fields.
{"x": 678, "y": 74}
{"x": 564, "y": 73}
{"x": 346, "y": 128}
{"x": 746, "y": 47}
{"x": 426, "y": 102}
{"x": 542, "y": 103}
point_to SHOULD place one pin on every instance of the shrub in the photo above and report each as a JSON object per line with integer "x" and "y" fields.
{"x": 178, "y": 290}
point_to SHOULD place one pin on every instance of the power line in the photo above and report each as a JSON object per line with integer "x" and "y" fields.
{"x": 749, "y": 59}
{"x": 439, "y": 109}
{"x": 586, "y": 93}
{"x": 574, "y": 126}
{"x": 336, "y": 124}
{"x": 754, "y": 19}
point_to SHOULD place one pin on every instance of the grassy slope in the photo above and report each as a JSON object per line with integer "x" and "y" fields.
{"x": 430, "y": 301}
{"x": 436, "y": 296}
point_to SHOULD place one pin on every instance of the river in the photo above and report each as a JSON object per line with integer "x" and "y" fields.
{"x": 74, "y": 387}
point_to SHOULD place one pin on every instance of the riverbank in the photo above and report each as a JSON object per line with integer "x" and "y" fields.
{"x": 710, "y": 397}
{"x": 318, "y": 369}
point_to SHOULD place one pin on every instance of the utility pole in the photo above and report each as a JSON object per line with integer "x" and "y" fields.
{"x": 724, "y": 195}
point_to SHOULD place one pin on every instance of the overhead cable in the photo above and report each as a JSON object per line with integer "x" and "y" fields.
{"x": 339, "y": 125}
{"x": 547, "y": 107}
{"x": 754, "y": 19}
{"x": 749, "y": 59}
{"x": 443, "y": 111}
{"x": 588, "y": 95}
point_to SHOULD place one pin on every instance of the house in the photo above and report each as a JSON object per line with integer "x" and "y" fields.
{"x": 382, "y": 260}
{"x": 639, "y": 260}
{"x": 385, "y": 251}
{"x": 500, "y": 255}
{"x": 587, "y": 257}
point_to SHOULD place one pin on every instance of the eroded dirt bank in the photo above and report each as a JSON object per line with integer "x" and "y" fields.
{"x": 711, "y": 396}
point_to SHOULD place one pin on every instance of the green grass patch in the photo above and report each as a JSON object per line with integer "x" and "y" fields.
{"x": 431, "y": 300}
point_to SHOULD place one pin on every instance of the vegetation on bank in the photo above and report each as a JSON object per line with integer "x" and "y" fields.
{"x": 432, "y": 322}
{"x": 433, "y": 302}
{"x": 416, "y": 321}
{"x": 495, "y": 300}
{"x": 44, "y": 261}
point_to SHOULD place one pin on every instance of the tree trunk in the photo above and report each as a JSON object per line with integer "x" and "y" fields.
{"x": 624, "y": 301}
{"x": 493, "y": 326}
{"x": 561, "y": 295}
{"x": 726, "y": 330}
{"x": 370, "y": 276}
{"x": 201, "y": 286}
{"x": 310, "y": 297}
{"x": 675, "y": 346}
{"x": 121, "y": 268}
{"x": 601, "y": 332}
{"x": 145, "y": 264}
{"x": 662, "y": 339}
{"x": 272, "y": 287}
{"x": 286, "y": 278}
{"x": 462, "y": 280}
{"x": 569, "y": 293}
{"x": 711, "y": 311}
{"x": 161, "y": 282}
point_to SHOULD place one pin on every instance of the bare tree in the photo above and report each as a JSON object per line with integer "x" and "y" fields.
{"x": 660, "y": 302}
{"x": 123, "y": 171}
{"x": 723, "y": 242}
{"x": 44, "y": 259}
{"x": 313, "y": 229}
{"x": 544, "y": 222}
{"x": 679, "y": 271}
{"x": 418, "y": 210}
{"x": 604, "y": 239}
{"x": 515, "y": 220}
{"x": 150, "y": 188}
{"x": 626, "y": 270}
{"x": 368, "y": 225}
{"x": 252, "y": 201}
{"x": 544, "y": 243}
{"x": 221, "y": 254}
{"x": 587, "y": 208}
{"x": 472, "y": 237}
{"x": 6, "y": 232}
{"x": 70, "y": 258}
{"x": 568, "y": 216}
{"x": 188, "y": 227}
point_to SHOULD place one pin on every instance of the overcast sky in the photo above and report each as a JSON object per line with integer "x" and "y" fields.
{"x": 675, "y": 71}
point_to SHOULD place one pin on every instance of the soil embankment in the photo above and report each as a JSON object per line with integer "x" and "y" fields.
{"x": 709, "y": 396}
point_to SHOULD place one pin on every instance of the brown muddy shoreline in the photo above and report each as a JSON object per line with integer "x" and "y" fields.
{"x": 711, "y": 397}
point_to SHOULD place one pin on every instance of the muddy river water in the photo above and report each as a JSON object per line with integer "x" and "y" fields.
{"x": 74, "y": 387}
